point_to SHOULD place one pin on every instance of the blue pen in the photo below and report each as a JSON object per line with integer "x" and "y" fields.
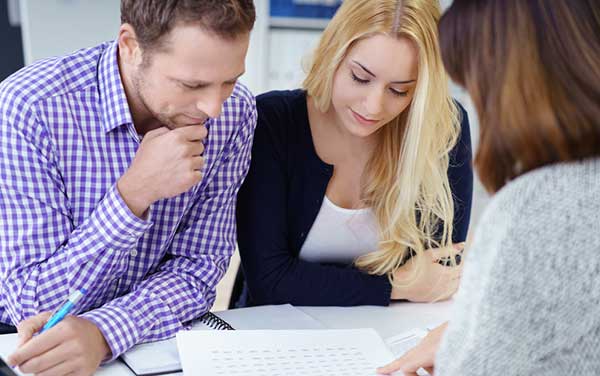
{"x": 64, "y": 309}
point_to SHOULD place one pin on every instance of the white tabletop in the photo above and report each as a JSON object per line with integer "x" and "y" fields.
{"x": 387, "y": 321}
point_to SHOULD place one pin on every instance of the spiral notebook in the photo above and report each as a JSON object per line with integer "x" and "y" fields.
{"x": 214, "y": 322}
{"x": 162, "y": 357}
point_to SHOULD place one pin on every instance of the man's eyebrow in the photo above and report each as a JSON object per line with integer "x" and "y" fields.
{"x": 205, "y": 83}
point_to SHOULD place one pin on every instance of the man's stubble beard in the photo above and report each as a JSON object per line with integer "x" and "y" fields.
{"x": 138, "y": 86}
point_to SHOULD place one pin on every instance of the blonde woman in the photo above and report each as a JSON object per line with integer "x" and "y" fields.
{"x": 360, "y": 182}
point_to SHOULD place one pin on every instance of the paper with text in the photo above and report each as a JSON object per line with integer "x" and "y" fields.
{"x": 283, "y": 352}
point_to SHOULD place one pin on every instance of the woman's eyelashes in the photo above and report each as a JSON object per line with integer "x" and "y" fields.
{"x": 358, "y": 79}
{"x": 399, "y": 93}
{"x": 363, "y": 81}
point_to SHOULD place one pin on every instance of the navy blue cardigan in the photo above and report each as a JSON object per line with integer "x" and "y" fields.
{"x": 281, "y": 198}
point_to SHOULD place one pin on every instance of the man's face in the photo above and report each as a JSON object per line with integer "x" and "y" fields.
{"x": 187, "y": 83}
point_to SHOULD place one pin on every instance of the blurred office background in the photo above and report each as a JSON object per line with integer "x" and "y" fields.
{"x": 285, "y": 33}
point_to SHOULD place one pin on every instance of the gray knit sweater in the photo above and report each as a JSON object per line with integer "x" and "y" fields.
{"x": 529, "y": 300}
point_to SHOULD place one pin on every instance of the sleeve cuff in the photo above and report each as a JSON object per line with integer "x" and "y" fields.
{"x": 386, "y": 299}
{"x": 131, "y": 319}
{"x": 115, "y": 222}
{"x": 117, "y": 327}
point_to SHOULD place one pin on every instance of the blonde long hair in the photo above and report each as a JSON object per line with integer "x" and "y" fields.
{"x": 406, "y": 181}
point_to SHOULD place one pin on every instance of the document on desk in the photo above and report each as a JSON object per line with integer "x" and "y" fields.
{"x": 283, "y": 352}
{"x": 401, "y": 343}
{"x": 8, "y": 344}
{"x": 162, "y": 356}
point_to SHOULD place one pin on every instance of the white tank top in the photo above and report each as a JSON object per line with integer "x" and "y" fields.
{"x": 340, "y": 235}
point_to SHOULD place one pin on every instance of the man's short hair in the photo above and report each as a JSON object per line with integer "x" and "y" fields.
{"x": 153, "y": 19}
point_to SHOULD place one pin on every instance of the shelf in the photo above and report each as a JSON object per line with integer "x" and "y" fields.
{"x": 298, "y": 23}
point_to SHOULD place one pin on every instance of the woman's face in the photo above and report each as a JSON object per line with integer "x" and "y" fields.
{"x": 374, "y": 83}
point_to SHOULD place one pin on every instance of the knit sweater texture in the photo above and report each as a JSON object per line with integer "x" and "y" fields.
{"x": 529, "y": 300}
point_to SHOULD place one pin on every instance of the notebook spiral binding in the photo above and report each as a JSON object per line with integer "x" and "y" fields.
{"x": 215, "y": 322}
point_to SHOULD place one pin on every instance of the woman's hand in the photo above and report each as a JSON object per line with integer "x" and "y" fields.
{"x": 420, "y": 356}
{"x": 438, "y": 278}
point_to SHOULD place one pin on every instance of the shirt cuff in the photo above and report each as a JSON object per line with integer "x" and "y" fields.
{"x": 132, "y": 319}
{"x": 117, "y": 327}
{"x": 115, "y": 222}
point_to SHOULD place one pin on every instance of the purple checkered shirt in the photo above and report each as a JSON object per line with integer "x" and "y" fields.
{"x": 66, "y": 136}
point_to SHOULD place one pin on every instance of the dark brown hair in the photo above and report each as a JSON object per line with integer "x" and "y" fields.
{"x": 532, "y": 68}
{"x": 152, "y": 19}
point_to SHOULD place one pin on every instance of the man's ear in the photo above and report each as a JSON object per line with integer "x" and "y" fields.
{"x": 130, "y": 51}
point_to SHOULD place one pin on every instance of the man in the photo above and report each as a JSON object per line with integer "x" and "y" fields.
{"x": 119, "y": 168}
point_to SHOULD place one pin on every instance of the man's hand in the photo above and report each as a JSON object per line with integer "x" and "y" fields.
{"x": 421, "y": 356}
{"x": 167, "y": 163}
{"x": 434, "y": 281}
{"x": 75, "y": 346}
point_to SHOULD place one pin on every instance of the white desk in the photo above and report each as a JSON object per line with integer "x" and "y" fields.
{"x": 387, "y": 321}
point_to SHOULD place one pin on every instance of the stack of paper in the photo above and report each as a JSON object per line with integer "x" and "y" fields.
{"x": 283, "y": 352}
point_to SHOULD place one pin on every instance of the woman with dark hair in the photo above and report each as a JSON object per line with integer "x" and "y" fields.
{"x": 529, "y": 300}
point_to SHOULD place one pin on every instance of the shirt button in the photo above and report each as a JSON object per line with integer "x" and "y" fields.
{"x": 133, "y": 252}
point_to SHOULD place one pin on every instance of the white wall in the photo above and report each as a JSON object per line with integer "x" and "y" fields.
{"x": 58, "y": 27}
{"x": 258, "y": 51}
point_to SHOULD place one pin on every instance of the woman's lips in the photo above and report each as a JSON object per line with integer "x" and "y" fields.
{"x": 363, "y": 120}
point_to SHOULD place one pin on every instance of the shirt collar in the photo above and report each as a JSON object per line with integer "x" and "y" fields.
{"x": 113, "y": 101}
